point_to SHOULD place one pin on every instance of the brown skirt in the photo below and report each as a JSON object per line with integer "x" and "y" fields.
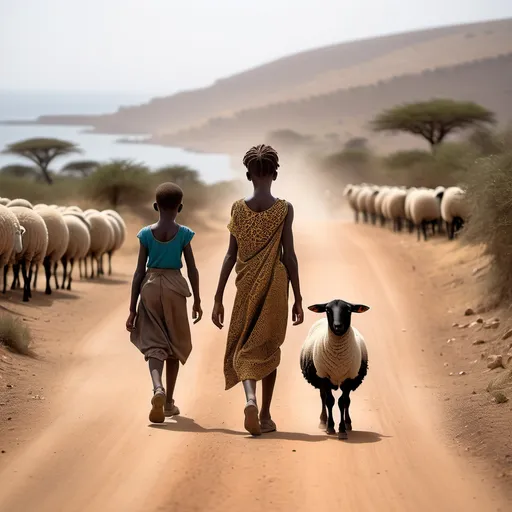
{"x": 162, "y": 329}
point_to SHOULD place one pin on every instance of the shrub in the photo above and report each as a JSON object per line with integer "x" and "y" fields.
{"x": 490, "y": 223}
{"x": 14, "y": 334}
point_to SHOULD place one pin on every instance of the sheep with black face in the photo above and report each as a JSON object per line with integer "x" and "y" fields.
{"x": 334, "y": 356}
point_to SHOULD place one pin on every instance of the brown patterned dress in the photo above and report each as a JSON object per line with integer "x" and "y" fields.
{"x": 260, "y": 312}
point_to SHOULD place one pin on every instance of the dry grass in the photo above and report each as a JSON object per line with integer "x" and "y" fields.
{"x": 15, "y": 335}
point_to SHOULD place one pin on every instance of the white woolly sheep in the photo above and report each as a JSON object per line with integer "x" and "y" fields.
{"x": 11, "y": 240}
{"x": 379, "y": 200}
{"x": 102, "y": 235}
{"x": 362, "y": 197}
{"x": 20, "y": 202}
{"x": 333, "y": 356}
{"x": 116, "y": 242}
{"x": 4, "y": 201}
{"x": 78, "y": 246}
{"x": 351, "y": 192}
{"x": 454, "y": 210}
{"x": 370, "y": 204}
{"x": 394, "y": 206}
{"x": 35, "y": 243}
{"x": 424, "y": 209}
{"x": 58, "y": 239}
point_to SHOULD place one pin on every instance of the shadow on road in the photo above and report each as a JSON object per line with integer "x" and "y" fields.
{"x": 184, "y": 424}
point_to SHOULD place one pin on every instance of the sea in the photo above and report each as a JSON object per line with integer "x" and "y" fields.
{"x": 25, "y": 106}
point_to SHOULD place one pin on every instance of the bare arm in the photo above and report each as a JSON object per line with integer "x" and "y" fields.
{"x": 138, "y": 277}
{"x": 227, "y": 267}
{"x": 289, "y": 256}
{"x": 192, "y": 272}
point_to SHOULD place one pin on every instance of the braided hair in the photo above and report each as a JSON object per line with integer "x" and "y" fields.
{"x": 261, "y": 160}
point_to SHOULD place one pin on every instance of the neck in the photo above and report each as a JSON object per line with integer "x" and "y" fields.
{"x": 168, "y": 217}
{"x": 261, "y": 189}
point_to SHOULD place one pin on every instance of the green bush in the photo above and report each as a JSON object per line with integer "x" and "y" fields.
{"x": 14, "y": 334}
{"x": 490, "y": 222}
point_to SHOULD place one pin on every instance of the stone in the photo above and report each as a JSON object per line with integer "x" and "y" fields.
{"x": 463, "y": 326}
{"x": 478, "y": 342}
{"x": 499, "y": 397}
{"x": 495, "y": 361}
{"x": 480, "y": 320}
{"x": 507, "y": 335}
{"x": 469, "y": 312}
{"x": 462, "y": 372}
{"x": 455, "y": 324}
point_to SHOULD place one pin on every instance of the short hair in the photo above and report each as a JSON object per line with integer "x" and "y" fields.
{"x": 261, "y": 160}
{"x": 168, "y": 196}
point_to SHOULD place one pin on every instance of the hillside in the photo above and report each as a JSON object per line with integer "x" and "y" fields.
{"x": 331, "y": 84}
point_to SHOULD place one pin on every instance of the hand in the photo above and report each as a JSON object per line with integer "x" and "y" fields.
{"x": 197, "y": 312}
{"x": 130, "y": 323}
{"x": 218, "y": 314}
{"x": 297, "y": 313}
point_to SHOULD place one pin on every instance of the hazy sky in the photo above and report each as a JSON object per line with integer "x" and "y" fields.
{"x": 158, "y": 46}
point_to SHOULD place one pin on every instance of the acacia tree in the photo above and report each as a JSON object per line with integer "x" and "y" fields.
{"x": 120, "y": 182}
{"x": 433, "y": 120}
{"x": 19, "y": 171}
{"x": 42, "y": 152}
{"x": 81, "y": 167}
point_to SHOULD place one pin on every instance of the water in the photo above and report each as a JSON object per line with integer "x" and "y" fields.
{"x": 26, "y": 106}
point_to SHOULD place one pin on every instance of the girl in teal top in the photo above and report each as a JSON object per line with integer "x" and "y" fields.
{"x": 159, "y": 326}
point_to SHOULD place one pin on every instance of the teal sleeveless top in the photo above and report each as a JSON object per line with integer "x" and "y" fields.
{"x": 165, "y": 254}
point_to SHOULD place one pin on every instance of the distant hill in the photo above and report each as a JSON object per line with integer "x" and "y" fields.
{"x": 332, "y": 89}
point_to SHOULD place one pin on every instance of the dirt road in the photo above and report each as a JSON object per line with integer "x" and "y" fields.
{"x": 100, "y": 454}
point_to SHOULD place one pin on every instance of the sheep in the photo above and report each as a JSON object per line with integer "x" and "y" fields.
{"x": 115, "y": 243}
{"x": 379, "y": 199}
{"x": 370, "y": 204}
{"x": 78, "y": 245}
{"x": 11, "y": 239}
{"x": 333, "y": 356}
{"x": 454, "y": 210}
{"x": 4, "y": 201}
{"x": 351, "y": 192}
{"x": 424, "y": 209}
{"x": 20, "y": 202}
{"x": 35, "y": 243}
{"x": 394, "y": 206}
{"x": 120, "y": 238}
{"x": 76, "y": 209}
{"x": 102, "y": 235}
{"x": 364, "y": 193}
{"x": 58, "y": 239}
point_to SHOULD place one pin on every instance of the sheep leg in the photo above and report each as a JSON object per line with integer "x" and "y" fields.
{"x": 72, "y": 262}
{"x": 374, "y": 219}
{"x": 48, "y": 274}
{"x": 329, "y": 401}
{"x": 92, "y": 267}
{"x": 346, "y": 405}
{"x": 342, "y": 434}
{"x": 34, "y": 284}
{"x": 365, "y": 217}
{"x": 26, "y": 281}
{"x": 55, "y": 270}
{"x": 64, "y": 262}
{"x": 99, "y": 269}
{"x": 423, "y": 229}
{"x": 110, "y": 263}
{"x": 382, "y": 221}
{"x": 356, "y": 216}
{"x": 6, "y": 269}
{"x": 323, "y": 414}
{"x": 80, "y": 267}
{"x": 15, "y": 272}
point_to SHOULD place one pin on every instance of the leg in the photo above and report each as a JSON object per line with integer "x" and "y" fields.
{"x": 26, "y": 281}
{"x": 172, "y": 367}
{"x": 34, "y": 284}
{"x": 110, "y": 263}
{"x": 80, "y": 267}
{"x": 252, "y": 422}
{"x": 399, "y": 224}
{"x": 156, "y": 367}
{"x": 30, "y": 271}
{"x": 48, "y": 273}
{"x": 55, "y": 269}
{"x": 99, "y": 270}
{"x": 64, "y": 262}
{"x": 92, "y": 266}
{"x": 6, "y": 269}
{"x": 329, "y": 400}
{"x": 356, "y": 216}
{"x": 72, "y": 262}
{"x": 343, "y": 402}
{"x": 323, "y": 414}
{"x": 268, "y": 384}
{"x": 15, "y": 274}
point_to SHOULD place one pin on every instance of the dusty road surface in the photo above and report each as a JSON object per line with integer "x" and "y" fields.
{"x": 99, "y": 453}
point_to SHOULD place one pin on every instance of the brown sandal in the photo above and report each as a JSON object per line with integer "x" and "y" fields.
{"x": 252, "y": 422}
{"x": 156, "y": 415}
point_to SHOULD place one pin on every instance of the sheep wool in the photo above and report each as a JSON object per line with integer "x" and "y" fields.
{"x": 424, "y": 207}
{"x": 20, "y": 202}
{"x": 454, "y": 204}
{"x": 11, "y": 236}
{"x": 35, "y": 239}
{"x": 58, "y": 233}
{"x": 4, "y": 201}
{"x": 102, "y": 234}
{"x": 336, "y": 358}
{"x": 79, "y": 241}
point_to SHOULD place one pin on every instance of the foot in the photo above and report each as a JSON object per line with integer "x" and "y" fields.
{"x": 348, "y": 425}
{"x": 342, "y": 436}
{"x": 330, "y": 431}
{"x": 252, "y": 422}
{"x": 171, "y": 410}
{"x": 267, "y": 425}
{"x": 322, "y": 425}
{"x": 156, "y": 414}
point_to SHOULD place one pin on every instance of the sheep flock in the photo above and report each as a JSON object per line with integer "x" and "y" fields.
{"x": 35, "y": 235}
{"x": 426, "y": 210}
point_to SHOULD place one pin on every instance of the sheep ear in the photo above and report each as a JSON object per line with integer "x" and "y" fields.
{"x": 318, "y": 308}
{"x": 359, "y": 308}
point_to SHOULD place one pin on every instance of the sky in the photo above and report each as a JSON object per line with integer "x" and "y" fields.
{"x": 161, "y": 46}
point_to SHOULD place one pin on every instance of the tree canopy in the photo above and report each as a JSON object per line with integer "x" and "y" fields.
{"x": 42, "y": 152}
{"x": 19, "y": 171}
{"x": 80, "y": 167}
{"x": 433, "y": 120}
{"x": 120, "y": 182}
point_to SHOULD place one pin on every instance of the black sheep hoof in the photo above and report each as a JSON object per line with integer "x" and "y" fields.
{"x": 342, "y": 436}
{"x": 323, "y": 426}
{"x": 348, "y": 426}
{"x": 330, "y": 431}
